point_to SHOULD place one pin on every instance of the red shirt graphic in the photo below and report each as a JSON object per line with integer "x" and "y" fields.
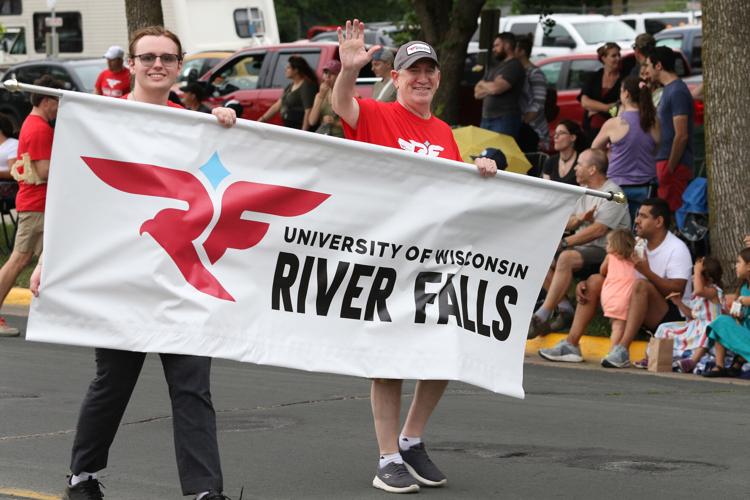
{"x": 390, "y": 124}
{"x": 113, "y": 84}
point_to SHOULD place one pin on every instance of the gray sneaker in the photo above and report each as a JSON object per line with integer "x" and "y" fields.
{"x": 395, "y": 478}
{"x": 618, "y": 357}
{"x": 562, "y": 351}
{"x": 421, "y": 467}
{"x": 538, "y": 327}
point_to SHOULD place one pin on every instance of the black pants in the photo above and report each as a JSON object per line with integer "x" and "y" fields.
{"x": 194, "y": 419}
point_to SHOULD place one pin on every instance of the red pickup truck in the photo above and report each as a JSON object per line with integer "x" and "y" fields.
{"x": 254, "y": 77}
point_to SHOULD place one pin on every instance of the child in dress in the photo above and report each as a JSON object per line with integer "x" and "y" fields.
{"x": 704, "y": 307}
{"x": 732, "y": 331}
{"x": 619, "y": 274}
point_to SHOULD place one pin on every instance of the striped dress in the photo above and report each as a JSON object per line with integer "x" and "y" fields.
{"x": 690, "y": 335}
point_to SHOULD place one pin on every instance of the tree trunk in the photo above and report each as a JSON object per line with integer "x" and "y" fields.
{"x": 448, "y": 26}
{"x": 726, "y": 37}
{"x": 142, "y": 13}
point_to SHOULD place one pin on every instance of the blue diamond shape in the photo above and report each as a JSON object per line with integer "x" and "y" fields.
{"x": 214, "y": 170}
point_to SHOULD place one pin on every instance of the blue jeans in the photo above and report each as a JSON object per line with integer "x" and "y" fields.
{"x": 637, "y": 195}
{"x": 508, "y": 125}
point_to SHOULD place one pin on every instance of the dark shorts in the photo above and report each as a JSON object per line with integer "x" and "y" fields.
{"x": 592, "y": 261}
{"x": 672, "y": 314}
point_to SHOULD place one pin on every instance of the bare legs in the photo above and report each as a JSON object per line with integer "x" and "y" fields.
{"x": 385, "y": 396}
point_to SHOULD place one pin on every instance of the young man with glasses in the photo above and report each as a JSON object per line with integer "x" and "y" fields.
{"x": 155, "y": 62}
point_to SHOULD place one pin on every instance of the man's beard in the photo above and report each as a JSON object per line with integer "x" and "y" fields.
{"x": 500, "y": 56}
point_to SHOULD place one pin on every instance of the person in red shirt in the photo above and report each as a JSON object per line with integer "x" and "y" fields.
{"x": 115, "y": 80}
{"x": 34, "y": 153}
{"x": 155, "y": 61}
{"x": 407, "y": 123}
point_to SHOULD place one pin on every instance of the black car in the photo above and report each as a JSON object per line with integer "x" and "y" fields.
{"x": 79, "y": 75}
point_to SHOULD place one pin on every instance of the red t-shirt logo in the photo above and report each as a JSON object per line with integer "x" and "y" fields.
{"x": 176, "y": 229}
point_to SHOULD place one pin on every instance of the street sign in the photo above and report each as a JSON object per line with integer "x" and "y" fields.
{"x": 56, "y": 22}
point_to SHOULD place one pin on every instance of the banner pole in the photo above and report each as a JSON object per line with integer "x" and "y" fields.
{"x": 16, "y": 86}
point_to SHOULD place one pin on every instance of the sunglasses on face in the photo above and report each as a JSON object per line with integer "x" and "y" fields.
{"x": 149, "y": 59}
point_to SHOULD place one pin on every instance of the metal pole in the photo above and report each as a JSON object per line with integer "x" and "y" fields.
{"x": 15, "y": 86}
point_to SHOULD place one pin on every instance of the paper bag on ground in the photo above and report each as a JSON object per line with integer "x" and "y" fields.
{"x": 660, "y": 355}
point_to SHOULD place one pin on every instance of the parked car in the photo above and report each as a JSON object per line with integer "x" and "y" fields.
{"x": 570, "y": 34}
{"x": 567, "y": 74}
{"x": 375, "y": 34}
{"x": 255, "y": 78}
{"x": 79, "y": 75}
{"x": 654, "y": 22}
{"x": 688, "y": 39}
{"x": 197, "y": 64}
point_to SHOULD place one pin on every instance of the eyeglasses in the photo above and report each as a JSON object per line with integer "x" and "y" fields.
{"x": 149, "y": 59}
{"x": 560, "y": 134}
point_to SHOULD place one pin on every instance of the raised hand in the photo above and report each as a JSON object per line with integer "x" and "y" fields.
{"x": 352, "y": 50}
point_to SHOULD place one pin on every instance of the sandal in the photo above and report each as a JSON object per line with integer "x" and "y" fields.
{"x": 641, "y": 363}
{"x": 735, "y": 370}
{"x": 716, "y": 372}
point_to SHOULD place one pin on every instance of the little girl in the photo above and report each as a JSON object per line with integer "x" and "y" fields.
{"x": 732, "y": 331}
{"x": 619, "y": 274}
{"x": 704, "y": 307}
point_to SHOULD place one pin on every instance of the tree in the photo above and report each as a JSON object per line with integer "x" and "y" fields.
{"x": 726, "y": 36}
{"x": 142, "y": 13}
{"x": 448, "y": 25}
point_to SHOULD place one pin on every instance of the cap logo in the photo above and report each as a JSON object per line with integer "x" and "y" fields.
{"x": 418, "y": 47}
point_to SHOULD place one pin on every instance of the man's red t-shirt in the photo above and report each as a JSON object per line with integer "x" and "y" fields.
{"x": 113, "y": 84}
{"x": 36, "y": 140}
{"x": 391, "y": 124}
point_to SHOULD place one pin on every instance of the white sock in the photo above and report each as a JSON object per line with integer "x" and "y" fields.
{"x": 543, "y": 313}
{"x": 83, "y": 476}
{"x": 201, "y": 495}
{"x": 390, "y": 458}
{"x": 406, "y": 442}
{"x": 566, "y": 306}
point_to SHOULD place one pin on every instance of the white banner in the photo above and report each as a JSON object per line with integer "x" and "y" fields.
{"x": 168, "y": 233}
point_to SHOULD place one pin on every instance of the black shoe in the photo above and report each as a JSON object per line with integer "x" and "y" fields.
{"x": 420, "y": 466}
{"x": 91, "y": 489}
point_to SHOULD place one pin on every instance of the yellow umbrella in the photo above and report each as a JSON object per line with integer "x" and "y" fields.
{"x": 473, "y": 140}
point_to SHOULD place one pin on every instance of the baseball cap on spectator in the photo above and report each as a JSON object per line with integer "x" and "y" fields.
{"x": 411, "y": 52}
{"x": 644, "y": 41}
{"x": 333, "y": 67}
{"x": 494, "y": 154}
{"x": 114, "y": 52}
{"x": 385, "y": 55}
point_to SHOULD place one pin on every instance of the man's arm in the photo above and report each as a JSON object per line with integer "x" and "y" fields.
{"x": 353, "y": 58}
{"x": 664, "y": 285}
{"x": 41, "y": 167}
{"x": 497, "y": 86}
{"x": 587, "y": 234}
{"x": 680, "y": 141}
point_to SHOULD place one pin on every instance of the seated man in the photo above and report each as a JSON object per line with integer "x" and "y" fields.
{"x": 664, "y": 269}
{"x": 583, "y": 251}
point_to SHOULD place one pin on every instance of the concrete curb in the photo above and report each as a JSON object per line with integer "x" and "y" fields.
{"x": 592, "y": 348}
{"x": 18, "y": 297}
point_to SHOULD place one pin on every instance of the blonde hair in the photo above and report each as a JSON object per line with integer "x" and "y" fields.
{"x": 621, "y": 242}
{"x": 153, "y": 31}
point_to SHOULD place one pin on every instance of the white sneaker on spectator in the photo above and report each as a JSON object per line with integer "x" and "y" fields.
{"x": 618, "y": 357}
{"x": 7, "y": 330}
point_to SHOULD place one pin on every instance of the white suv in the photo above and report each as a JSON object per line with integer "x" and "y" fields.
{"x": 571, "y": 33}
{"x": 654, "y": 22}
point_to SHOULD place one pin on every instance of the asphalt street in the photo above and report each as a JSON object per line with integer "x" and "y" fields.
{"x": 581, "y": 432}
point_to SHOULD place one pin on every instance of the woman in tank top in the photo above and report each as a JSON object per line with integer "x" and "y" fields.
{"x": 569, "y": 141}
{"x": 632, "y": 137}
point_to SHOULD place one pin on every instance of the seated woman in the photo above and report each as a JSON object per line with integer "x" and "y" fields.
{"x": 569, "y": 141}
{"x": 732, "y": 332}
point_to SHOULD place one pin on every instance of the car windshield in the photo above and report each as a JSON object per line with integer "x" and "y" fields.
{"x": 604, "y": 31}
{"x": 88, "y": 72}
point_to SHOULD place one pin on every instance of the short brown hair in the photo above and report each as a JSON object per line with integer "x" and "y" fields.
{"x": 602, "y": 51}
{"x": 153, "y": 31}
{"x": 45, "y": 81}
